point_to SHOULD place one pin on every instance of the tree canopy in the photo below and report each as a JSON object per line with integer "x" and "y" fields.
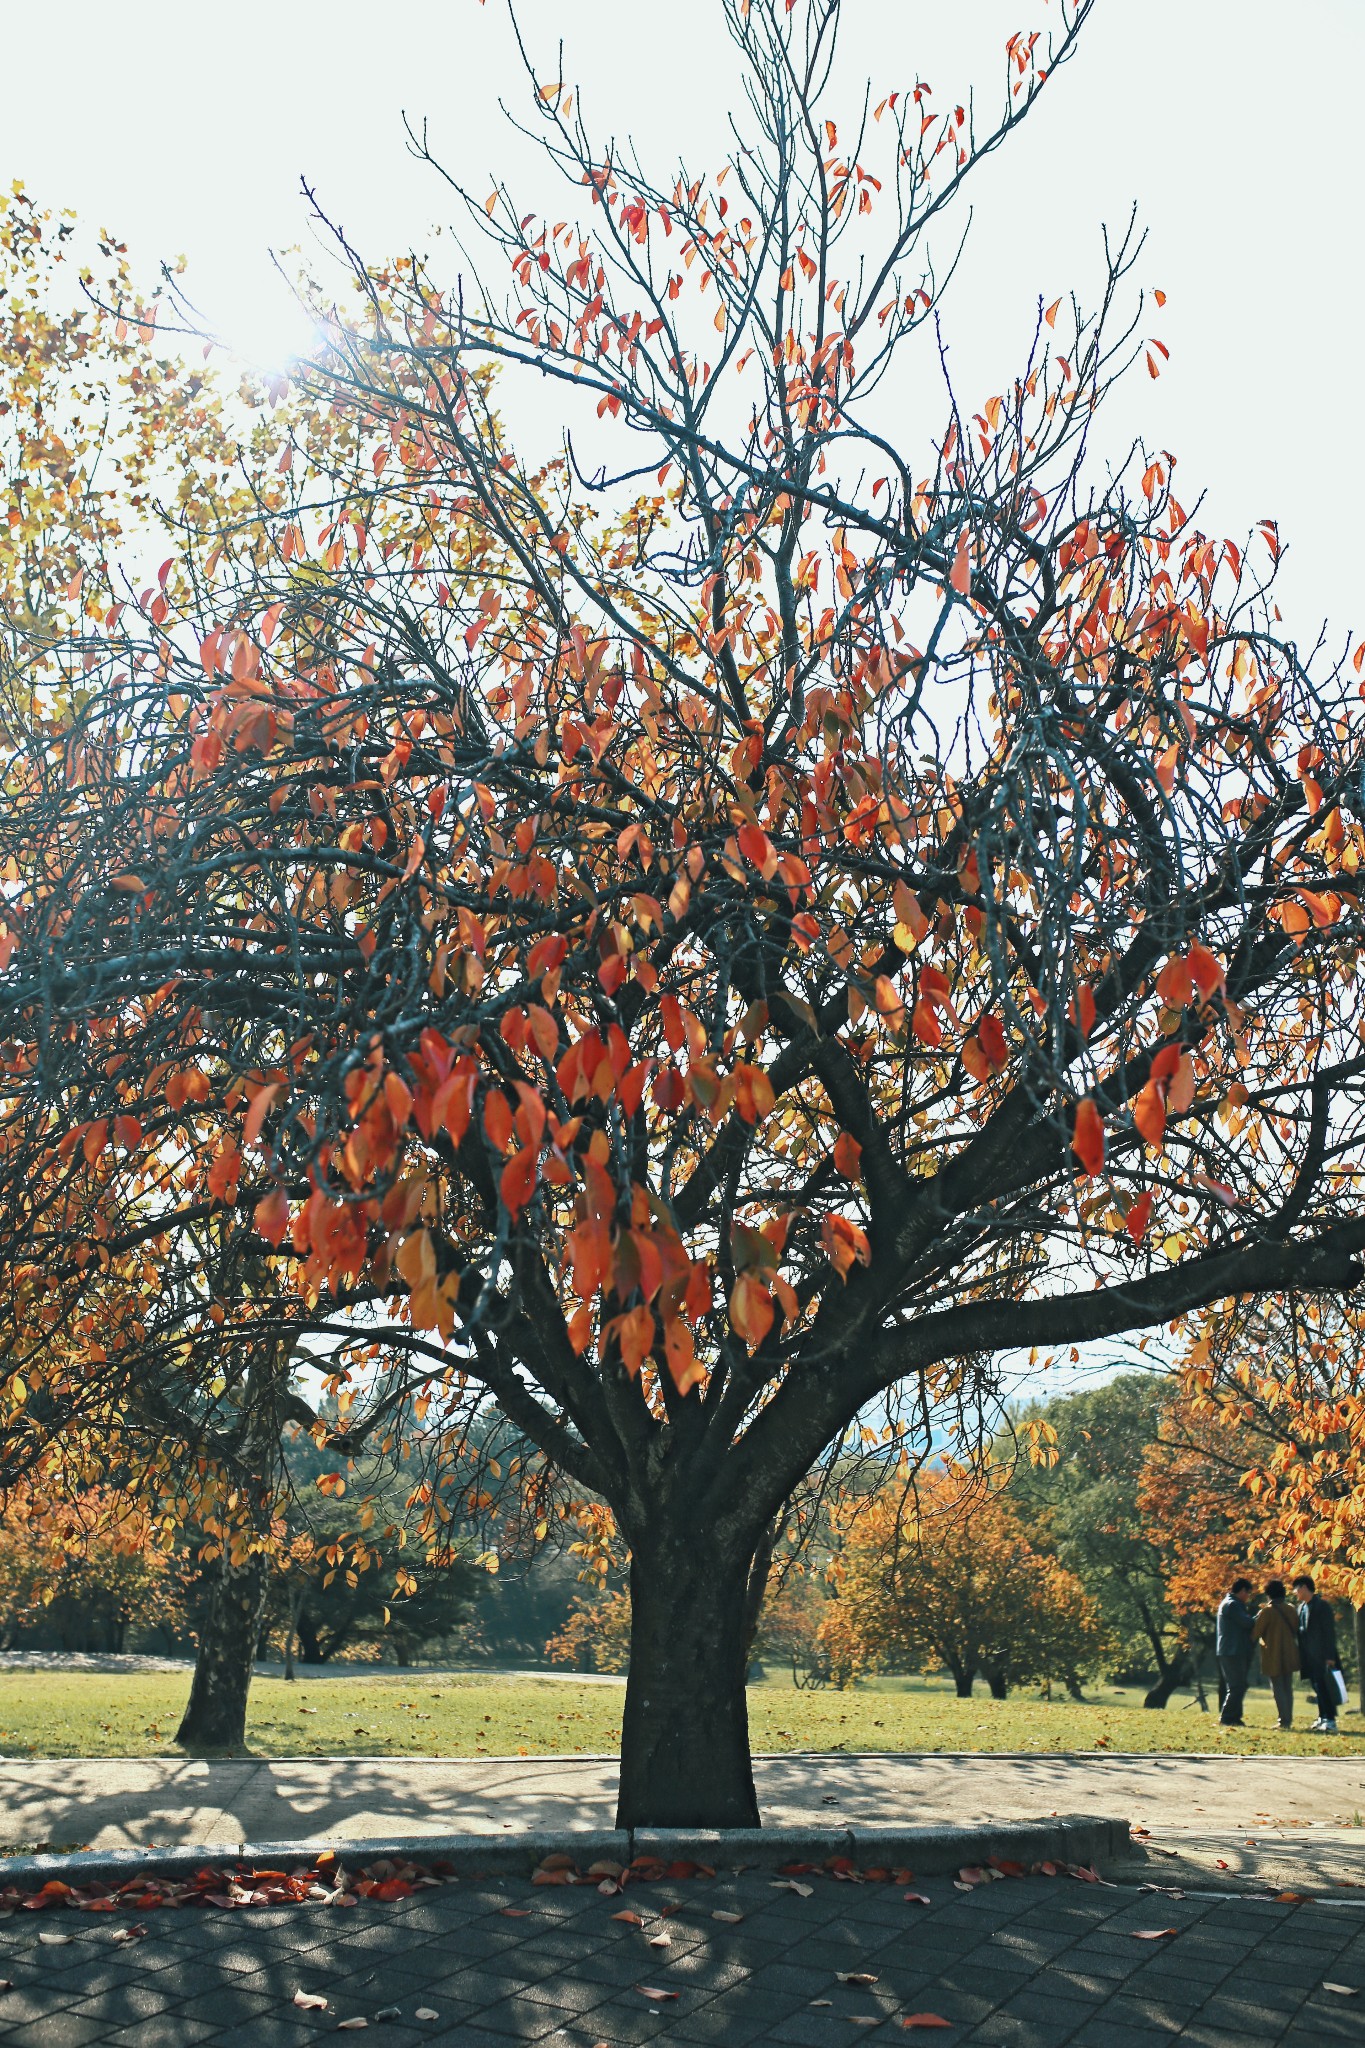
{"x": 710, "y": 934}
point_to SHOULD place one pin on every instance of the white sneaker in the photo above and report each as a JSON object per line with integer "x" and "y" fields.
{"x": 1319, "y": 1726}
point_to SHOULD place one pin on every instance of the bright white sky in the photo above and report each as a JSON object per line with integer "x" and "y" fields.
{"x": 1233, "y": 125}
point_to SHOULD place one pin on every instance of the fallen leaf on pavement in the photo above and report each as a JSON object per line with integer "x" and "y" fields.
{"x": 1222, "y": 1865}
{"x": 631, "y": 1919}
{"x": 515, "y": 1912}
{"x": 135, "y": 1933}
{"x": 855, "y": 1977}
{"x": 311, "y": 2001}
{"x": 1342, "y": 1990}
{"x": 1151, "y": 1933}
{"x": 351, "y": 2026}
{"x": 54, "y": 1940}
{"x": 924, "y": 2019}
{"x": 426, "y": 2012}
{"x": 663, "y": 1939}
{"x": 388, "y": 2012}
{"x": 653, "y": 1991}
{"x": 917, "y": 1899}
{"x": 731, "y": 1919}
{"x": 821, "y": 2001}
{"x": 791, "y": 1884}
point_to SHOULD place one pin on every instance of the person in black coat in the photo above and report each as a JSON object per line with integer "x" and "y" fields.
{"x": 1318, "y": 1652}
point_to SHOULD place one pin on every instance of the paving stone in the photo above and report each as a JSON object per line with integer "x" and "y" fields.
{"x": 1019, "y": 1964}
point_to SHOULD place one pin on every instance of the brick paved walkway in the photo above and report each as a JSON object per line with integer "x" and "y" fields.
{"x": 1019, "y": 1963}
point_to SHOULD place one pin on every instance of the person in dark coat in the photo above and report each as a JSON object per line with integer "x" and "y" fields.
{"x": 1232, "y": 1648}
{"x": 1318, "y": 1652}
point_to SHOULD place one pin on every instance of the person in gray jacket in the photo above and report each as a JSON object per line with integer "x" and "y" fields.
{"x": 1232, "y": 1648}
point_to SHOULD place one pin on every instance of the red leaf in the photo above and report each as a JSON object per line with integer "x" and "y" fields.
{"x": 518, "y": 1180}
{"x": 924, "y": 2019}
{"x": 960, "y": 575}
{"x": 1087, "y": 1137}
{"x": 848, "y": 1157}
{"x": 1149, "y": 1112}
{"x": 272, "y": 1216}
{"x": 1135, "y": 1222}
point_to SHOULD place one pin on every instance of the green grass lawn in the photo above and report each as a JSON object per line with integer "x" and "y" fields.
{"x": 54, "y": 1713}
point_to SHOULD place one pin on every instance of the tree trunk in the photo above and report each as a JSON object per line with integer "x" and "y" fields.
{"x": 963, "y": 1675}
{"x": 216, "y": 1715}
{"x": 1172, "y": 1678}
{"x": 309, "y": 1645}
{"x": 685, "y": 1728}
{"x": 998, "y": 1681}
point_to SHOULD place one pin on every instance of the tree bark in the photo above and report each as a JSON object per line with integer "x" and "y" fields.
{"x": 215, "y": 1717}
{"x": 998, "y": 1681}
{"x": 963, "y": 1675}
{"x": 1173, "y": 1676}
{"x": 685, "y": 1728}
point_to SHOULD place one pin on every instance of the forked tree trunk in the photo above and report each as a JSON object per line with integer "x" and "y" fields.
{"x": 685, "y": 1730}
{"x": 216, "y": 1715}
{"x": 1173, "y": 1676}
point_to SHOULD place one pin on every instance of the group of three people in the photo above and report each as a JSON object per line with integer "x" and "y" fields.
{"x": 1291, "y": 1638}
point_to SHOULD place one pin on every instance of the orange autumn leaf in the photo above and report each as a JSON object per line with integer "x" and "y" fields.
{"x": 751, "y": 1309}
{"x": 1087, "y": 1136}
{"x": 848, "y": 1156}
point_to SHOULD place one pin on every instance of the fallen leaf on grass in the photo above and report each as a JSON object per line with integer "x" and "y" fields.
{"x": 855, "y": 1977}
{"x": 653, "y": 1991}
{"x": 924, "y": 2019}
{"x": 1152, "y": 1933}
{"x": 1342, "y": 1990}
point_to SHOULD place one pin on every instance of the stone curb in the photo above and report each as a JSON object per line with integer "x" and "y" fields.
{"x": 1070, "y": 1838}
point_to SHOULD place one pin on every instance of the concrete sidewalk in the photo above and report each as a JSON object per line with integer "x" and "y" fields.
{"x": 1293, "y": 1819}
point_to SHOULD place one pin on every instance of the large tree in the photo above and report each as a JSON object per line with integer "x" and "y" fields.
{"x": 690, "y": 947}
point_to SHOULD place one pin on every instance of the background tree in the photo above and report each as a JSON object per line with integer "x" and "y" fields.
{"x": 1083, "y": 1503}
{"x": 88, "y": 1573}
{"x": 690, "y": 947}
{"x": 951, "y": 1579}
